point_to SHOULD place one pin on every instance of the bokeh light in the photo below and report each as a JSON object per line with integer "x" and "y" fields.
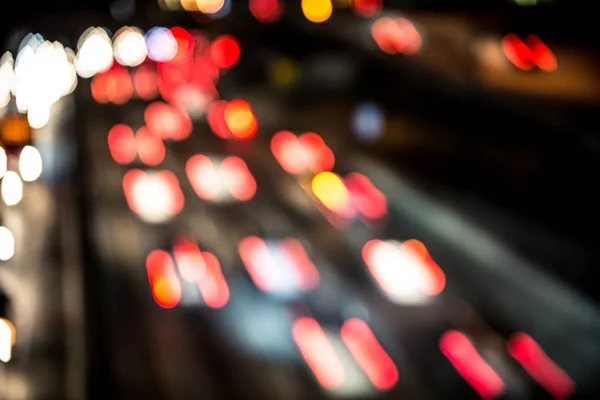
{"x": 94, "y": 52}
{"x": 129, "y": 47}
{"x": 162, "y": 46}
{"x": 225, "y": 51}
{"x": 317, "y": 11}
{"x": 267, "y": 11}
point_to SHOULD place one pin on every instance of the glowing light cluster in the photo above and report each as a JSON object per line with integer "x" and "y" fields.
{"x": 43, "y": 73}
{"x": 94, "y": 52}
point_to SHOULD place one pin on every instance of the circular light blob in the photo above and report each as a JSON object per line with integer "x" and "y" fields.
{"x": 129, "y": 47}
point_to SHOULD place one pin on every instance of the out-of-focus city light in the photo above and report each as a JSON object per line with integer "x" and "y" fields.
{"x": 3, "y": 162}
{"x": 38, "y": 116}
{"x": 471, "y": 365}
{"x": 366, "y": 198}
{"x": 318, "y": 352}
{"x": 129, "y": 47}
{"x": 94, "y": 53}
{"x": 396, "y": 35}
{"x": 43, "y": 74}
{"x": 164, "y": 282}
{"x": 7, "y": 78}
{"x": 122, "y": 145}
{"x": 7, "y": 339}
{"x": 150, "y": 148}
{"x": 30, "y": 163}
{"x": 145, "y": 82}
{"x": 317, "y": 11}
{"x": 7, "y": 244}
{"x": 185, "y": 46}
{"x": 202, "y": 269}
{"x": 267, "y": 11}
{"x": 366, "y": 8}
{"x": 540, "y": 367}
{"x": 167, "y": 121}
{"x": 530, "y": 53}
{"x": 368, "y": 122}
{"x": 214, "y": 288}
{"x": 223, "y": 11}
{"x": 209, "y": 6}
{"x": 225, "y": 51}
{"x": 114, "y": 86}
{"x": 296, "y": 155}
{"x": 162, "y": 46}
{"x": 12, "y": 188}
{"x": 15, "y": 130}
{"x": 405, "y": 272}
{"x": 330, "y": 189}
{"x": 187, "y": 5}
{"x": 282, "y": 268}
{"x": 155, "y": 197}
{"x": 220, "y": 182}
{"x": 369, "y": 355}
{"x": 240, "y": 119}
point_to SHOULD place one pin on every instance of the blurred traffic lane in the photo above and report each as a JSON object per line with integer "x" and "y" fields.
{"x": 196, "y": 337}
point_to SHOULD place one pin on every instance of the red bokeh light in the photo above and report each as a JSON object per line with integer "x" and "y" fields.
{"x": 167, "y": 121}
{"x": 240, "y": 119}
{"x": 225, "y": 51}
{"x": 267, "y": 11}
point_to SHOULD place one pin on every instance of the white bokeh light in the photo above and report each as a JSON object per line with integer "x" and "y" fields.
{"x": 154, "y": 199}
{"x": 43, "y": 74}
{"x": 7, "y": 244}
{"x": 130, "y": 47}
{"x": 30, "y": 164}
{"x": 95, "y": 53}
{"x": 3, "y": 162}
{"x": 7, "y": 78}
{"x": 12, "y": 188}
{"x": 38, "y": 116}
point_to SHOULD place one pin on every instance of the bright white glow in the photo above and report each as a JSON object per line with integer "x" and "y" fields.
{"x": 7, "y": 78}
{"x": 130, "y": 47}
{"x": 12, "y": 188}
{"x": 3, "y": 162}
{"x": 42, "y": 75}
{"x": 95, "y": 53}
{"x": 38, "y": 116}
{"x": 153, "y": 198}
{"x": 30, "y": 164}
{"x": 6, "y": 339}
{"x": 401, "y": 275}
{"x": 162, "y": 46}
{"x": 7, "y": 244}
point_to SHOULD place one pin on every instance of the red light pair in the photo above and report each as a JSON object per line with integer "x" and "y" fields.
{"x": 529, "y": 54}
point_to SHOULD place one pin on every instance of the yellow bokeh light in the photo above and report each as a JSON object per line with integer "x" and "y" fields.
{"x": 189, "y": 5}
{"x": 317, "y": 11}
{"x": 331, "y": 191}
{"x": 210, "y": 6}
